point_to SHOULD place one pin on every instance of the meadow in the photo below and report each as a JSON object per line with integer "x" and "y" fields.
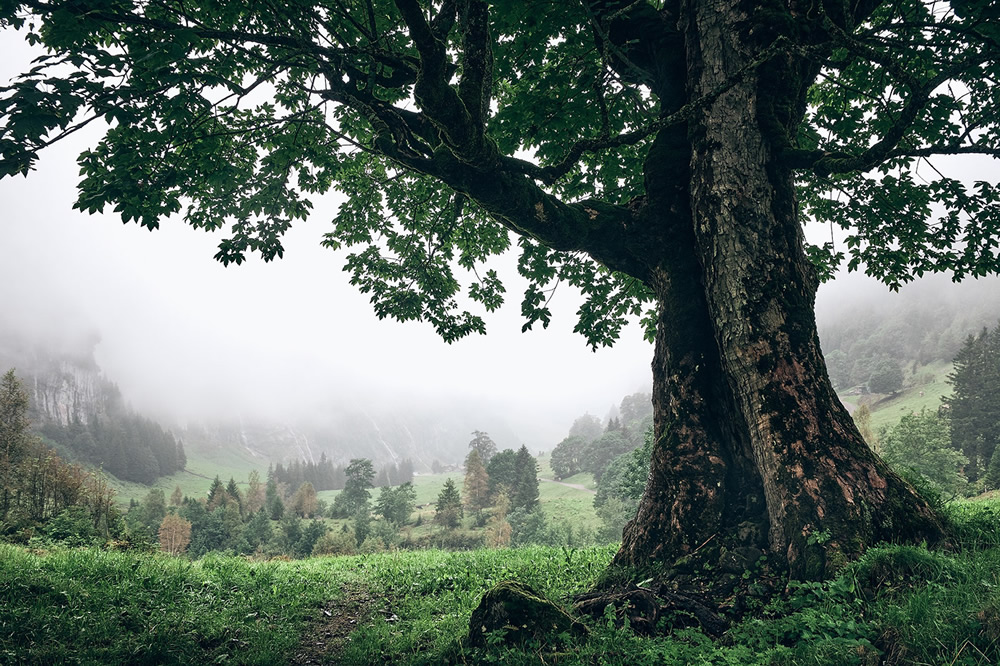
{"x": 896, "y": 605}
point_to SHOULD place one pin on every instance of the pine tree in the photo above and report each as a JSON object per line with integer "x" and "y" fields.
{"x": 975, "y": 402}
{"x": 272, "y": 500}
{"x": 216, "y": 494}
{"x": 448, "y": 510}
{"x": 991, "y": 480}
{"x": 233, "y": 491}
{"x": 176, "y": 497}
{"x": 526, "y": 487}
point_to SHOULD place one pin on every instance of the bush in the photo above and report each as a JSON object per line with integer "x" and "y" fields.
{"x": 335, "y": 543}
{"x": 73, "y": 527}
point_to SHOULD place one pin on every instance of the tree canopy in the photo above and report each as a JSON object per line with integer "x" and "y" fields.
{"x": 448, "y": 125}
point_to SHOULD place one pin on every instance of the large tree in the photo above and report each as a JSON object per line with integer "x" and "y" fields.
{"x": 659, "y": 155}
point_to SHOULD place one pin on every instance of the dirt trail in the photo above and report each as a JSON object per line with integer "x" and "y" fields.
{"x": 323, "y": 641}
{"x": 575, "y": 486}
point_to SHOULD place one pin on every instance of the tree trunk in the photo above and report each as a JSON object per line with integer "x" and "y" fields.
{"x": 754, "y": 449}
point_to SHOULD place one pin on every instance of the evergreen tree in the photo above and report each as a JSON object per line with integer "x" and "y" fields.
{"x": 257, "y": 531}
{"x": 312, "y": 533}
{"x": 526, "y": 486}
{"x": 216, "y": 494}
{"x": 975, "y": 402}
{"x": 233, "y": 491}
{"x": 991, "y": 481}
{"x": 176, "y": 497}
{"x": 448, "y": 509}
{"x": 272, "y": 500}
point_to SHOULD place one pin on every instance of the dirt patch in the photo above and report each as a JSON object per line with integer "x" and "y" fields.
{"x": 575, "y": 486}
{"x": 324, "y": 640}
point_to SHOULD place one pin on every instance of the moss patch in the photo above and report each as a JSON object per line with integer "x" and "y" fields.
{"x": 516, "y": 612}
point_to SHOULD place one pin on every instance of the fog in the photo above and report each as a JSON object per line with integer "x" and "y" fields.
{"x": 185, "y": 337}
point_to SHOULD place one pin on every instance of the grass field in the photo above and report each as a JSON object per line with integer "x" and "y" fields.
{"x": 921, "y": 390}
{"x": 897, "y": 605}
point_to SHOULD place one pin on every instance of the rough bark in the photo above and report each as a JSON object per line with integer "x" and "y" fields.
{"x": 754, "y": 449}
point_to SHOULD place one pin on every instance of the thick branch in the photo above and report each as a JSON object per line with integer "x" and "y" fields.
{"x": 437, "y": 99}
{"x": 684, "y": 114}
{"x": 477, "y": 61}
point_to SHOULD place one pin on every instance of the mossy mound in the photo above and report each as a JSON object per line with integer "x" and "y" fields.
{"x": 520, "y": 614}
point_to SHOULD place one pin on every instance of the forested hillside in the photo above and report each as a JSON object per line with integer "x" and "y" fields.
{"x": 83, "y": 414}
{"x": 867, "y": 331}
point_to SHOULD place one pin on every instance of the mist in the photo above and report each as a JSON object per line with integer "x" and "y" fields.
{"x": 186, "y": 338}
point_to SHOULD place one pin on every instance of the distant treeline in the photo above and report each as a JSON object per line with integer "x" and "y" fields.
{"x": 920, "y": 325}
{"x": 324, "y": 475}
{"x": 123, "y": 443}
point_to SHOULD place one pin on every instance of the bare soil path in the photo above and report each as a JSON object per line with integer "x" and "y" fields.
{"x": 575, "y": 486}
{"x": 331, "y": 627}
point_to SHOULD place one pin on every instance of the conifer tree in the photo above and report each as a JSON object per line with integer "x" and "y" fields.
{"x": 975, "y": 402}
{"x": 448, "y": 509}
{"x": 233, "y": 491}
{"x": 216, "y": 494}
{"x": 272, "y": 501}
{"x": 526, "y": 487}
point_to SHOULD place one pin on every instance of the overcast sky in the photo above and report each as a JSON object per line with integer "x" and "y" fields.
{"x": 181, "y": 333}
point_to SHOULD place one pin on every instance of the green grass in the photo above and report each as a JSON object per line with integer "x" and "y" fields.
{"x": 197, "y": 476}
{"x": 897, "y": 605}
{"x": 568, "y": 505}
{"x": 930, "y": 380}
{"x": 98, "y": 607}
